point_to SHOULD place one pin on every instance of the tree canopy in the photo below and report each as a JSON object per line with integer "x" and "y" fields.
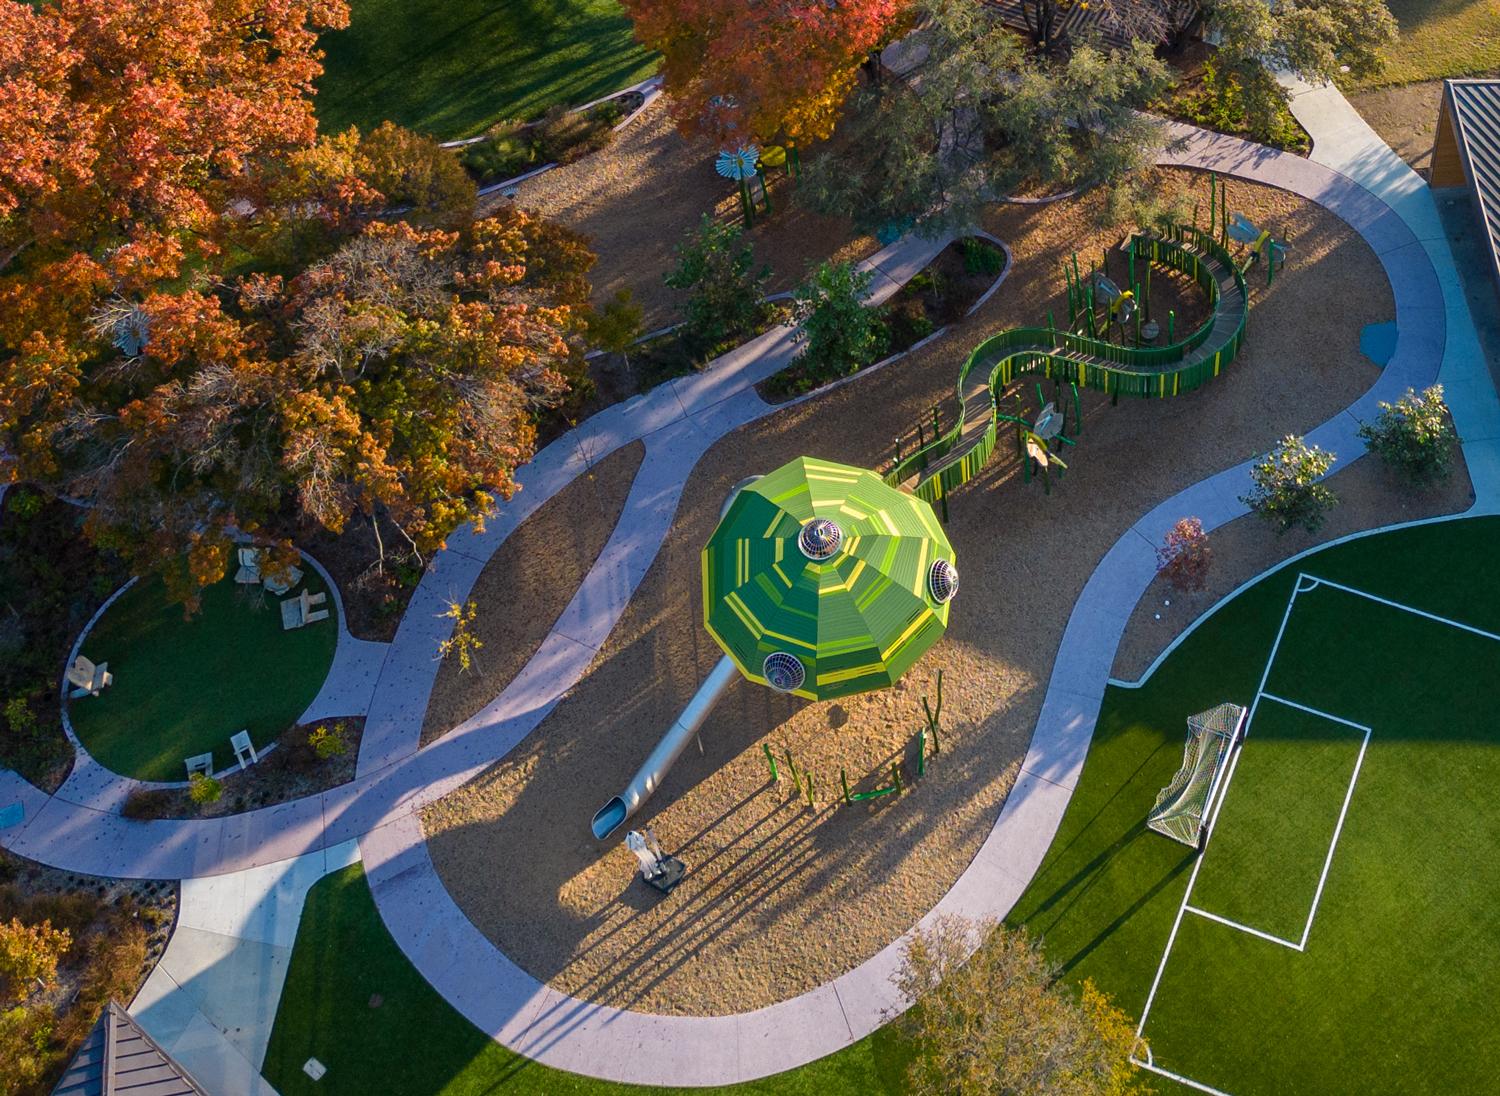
{"x": 214, "y": 321}
{"x": 739, "y": 72}
{"x": 980, "y": 118}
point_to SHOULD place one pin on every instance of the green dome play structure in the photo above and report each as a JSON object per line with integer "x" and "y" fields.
{"x": 1085, "y": 360}
{"x": 828, "y": 566}
{"x": 819, "y": 581}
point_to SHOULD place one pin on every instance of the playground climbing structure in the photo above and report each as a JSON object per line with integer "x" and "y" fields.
{"x": 1088, "y": 358}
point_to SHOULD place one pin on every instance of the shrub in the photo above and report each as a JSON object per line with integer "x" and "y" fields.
{"x": 204, "y": 789}
{"x": 1184, "y": 556}
{"x": 25, "y": 1037}
{"x": 1287, "y": 491}
{"x": 981, "y": 256}
{"x": 462, "y": 642}
{"x": 716, "y": 266}
{"x": 329, "y": 742}
{"x": 839, "y": 333}
{"x": 499, "y": 158}
{"x": 29, "y": 953}
{"x": 144, "y": 803}
{"x": 1415, "y": 436}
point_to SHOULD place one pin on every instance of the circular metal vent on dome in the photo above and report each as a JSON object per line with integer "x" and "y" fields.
{"x": 820, "y": 539}
{"x": 784, "y": 672}
{"x": 942, "y": 580}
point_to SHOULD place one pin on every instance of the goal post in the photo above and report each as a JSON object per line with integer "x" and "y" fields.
{"x": 1183, "y": 807}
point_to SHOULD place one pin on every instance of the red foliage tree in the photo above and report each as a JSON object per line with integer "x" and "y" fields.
{"x": 738, "y": 71}
{"x": 1185, "y": 556}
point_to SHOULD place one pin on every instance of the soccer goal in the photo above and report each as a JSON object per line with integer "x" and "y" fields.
{"x": 1182, "y": 809}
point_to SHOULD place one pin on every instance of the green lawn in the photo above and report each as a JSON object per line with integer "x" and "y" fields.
{"x": 1442, "y": 38}
{"x": 1401, "y": 951}
{"x": 452, "y": 68}
{"x": 416, "y": 1044}
{"x": 1388, "y": 995}
{"x": 182, "y": 687}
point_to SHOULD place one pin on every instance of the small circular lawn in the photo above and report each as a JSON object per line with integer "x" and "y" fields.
{"x": 183, "y": 686}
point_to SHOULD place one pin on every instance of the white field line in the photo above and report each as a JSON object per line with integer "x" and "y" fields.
{"x": 1314, "y": 711}
{"x": 1328, "y": 860}
{"x": 1246, "y": 928}
{"x": 1179, "y": 1078}
{"x": 1405, "y": 608}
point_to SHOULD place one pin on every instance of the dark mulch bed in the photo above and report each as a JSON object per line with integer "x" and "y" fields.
{"x": 51, "y": 581}
{"x": 939, "y": 294}
{"x": 290, "y": 771}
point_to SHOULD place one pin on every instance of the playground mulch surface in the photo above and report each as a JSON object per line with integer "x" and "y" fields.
{"x": 638, "y": 198}
{"x": 780, "y": 898}
{"x": 1370, "y": 496}
{"x": 527, "y": 584}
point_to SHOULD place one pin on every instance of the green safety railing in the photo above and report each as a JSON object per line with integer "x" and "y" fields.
{"x": 1116, "y": 369}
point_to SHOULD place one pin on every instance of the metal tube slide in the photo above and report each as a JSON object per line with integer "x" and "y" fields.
{"x": 610, "y": 816}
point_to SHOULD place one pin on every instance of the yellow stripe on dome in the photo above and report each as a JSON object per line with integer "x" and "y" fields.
{"x": 911, "y": 629}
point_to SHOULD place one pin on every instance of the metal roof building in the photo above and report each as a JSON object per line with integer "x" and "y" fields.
{"x": 119, "y": 1059}
{"x": 1466, "y": 154}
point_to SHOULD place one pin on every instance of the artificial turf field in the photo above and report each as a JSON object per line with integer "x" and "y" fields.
{"x": 1393, "y": 992}
{"x": 1338, "y": 934}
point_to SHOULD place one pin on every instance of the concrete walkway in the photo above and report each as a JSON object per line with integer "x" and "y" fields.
{"x": 211, "y": 1001}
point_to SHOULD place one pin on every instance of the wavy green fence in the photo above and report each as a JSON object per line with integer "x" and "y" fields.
{"x": 1112, "y": 368}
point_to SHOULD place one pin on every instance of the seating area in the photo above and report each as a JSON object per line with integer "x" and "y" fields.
{"x": 155, "y": 692}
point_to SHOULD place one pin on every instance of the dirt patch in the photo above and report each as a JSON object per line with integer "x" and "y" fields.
{"x": 779, "y": 897}
{"x": 527, "y": 584}
{"x": 1370, "y": 496}
{"x": 637, "y": 198}
{"x": 1406, "y": 119}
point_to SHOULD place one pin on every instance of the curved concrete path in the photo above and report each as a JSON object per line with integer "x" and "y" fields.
{"x": 678, "y": 423}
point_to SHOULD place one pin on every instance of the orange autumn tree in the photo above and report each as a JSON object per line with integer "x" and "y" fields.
{"x": 395, "y": 382}
{"x": 127, "y": 128}
{"x": 741, "y": 71}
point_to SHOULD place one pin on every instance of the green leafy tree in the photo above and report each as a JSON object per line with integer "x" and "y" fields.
{"x": 615, "y": 327}
{"x": 414, "y": 174}
{"x": 997, "y": 1023}
{"x": 716, "y": 267}
{"x": 983, "y": 118}
{"x": 1311, "y": 39}
{"x": 1286, "y": 489}
{"x": 839, "y": 332}
{"x": 1415, "y": 436}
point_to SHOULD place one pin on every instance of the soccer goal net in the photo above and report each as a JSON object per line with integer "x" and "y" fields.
{"x": 1181, "y": 810}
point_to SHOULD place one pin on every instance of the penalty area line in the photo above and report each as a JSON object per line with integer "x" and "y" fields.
{"x": 1179, "y": 1078}
{"x": 1247, "y": 928}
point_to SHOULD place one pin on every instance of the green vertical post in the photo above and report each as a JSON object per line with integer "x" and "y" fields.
{"x": 810, "y": 802}
{"x": 1077, "y": 429}
{"x": 844, "y": 780}
{"x": 1171, "y": 322}
{"x": 765, "y": 191}
{"x": 921, "y": 753}
{"x": 937, "y": 430}
{"x": 771, "y": 761}
{"x": 1146, "y": 304}
{"x": 896, "y": 772}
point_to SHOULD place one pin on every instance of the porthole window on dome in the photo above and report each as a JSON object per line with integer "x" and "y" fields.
{"x": 784, "y": 672}
{"x": 820, "y": 539}
{"x": 942, "y": 580}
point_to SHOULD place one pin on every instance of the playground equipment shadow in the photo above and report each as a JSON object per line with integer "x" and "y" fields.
{"x": 807, "y": 894}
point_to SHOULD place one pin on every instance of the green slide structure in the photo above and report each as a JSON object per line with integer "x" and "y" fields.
{"x": 957, "y": 455}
